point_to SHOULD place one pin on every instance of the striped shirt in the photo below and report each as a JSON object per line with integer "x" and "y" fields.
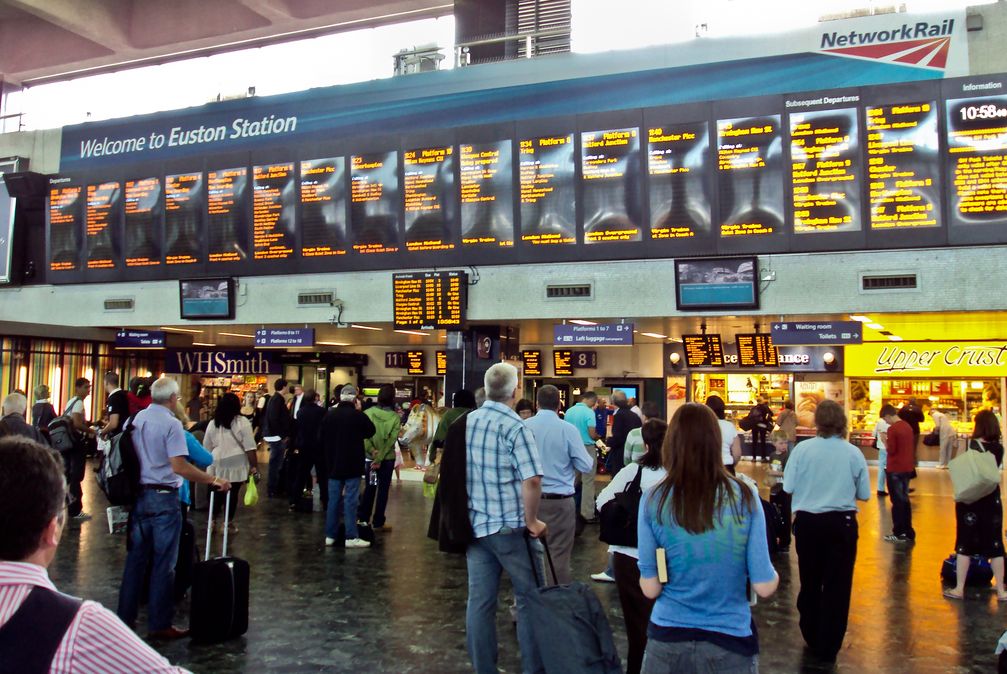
{"x": 501, "y": 454}
{"x": 97, "y": 641}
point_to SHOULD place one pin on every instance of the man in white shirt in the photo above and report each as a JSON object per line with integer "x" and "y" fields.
{"x": 881, "y": 440}
{"x": 75, "y": 459}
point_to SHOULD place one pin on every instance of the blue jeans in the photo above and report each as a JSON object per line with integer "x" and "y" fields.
{"x": 385, "y": 471}
{"x": 902, "y": 510}
{"x": 695, "y": 656}
{"x": 343, "y": 497}
{"x": 882, "y": 462}
{"x": 156, "y": 524}
{"x": 276, "y": 451}
{"x": 485, "y": 558}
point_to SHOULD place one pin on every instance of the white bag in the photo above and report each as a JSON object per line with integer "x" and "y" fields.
{"x": 974, "y": 473}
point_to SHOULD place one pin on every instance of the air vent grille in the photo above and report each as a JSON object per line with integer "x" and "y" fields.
{"x": 889, "y": 282}
{"x": 316, "y": 298}
{"x": 578, "y": 291}
{"x": 120, "y": 304}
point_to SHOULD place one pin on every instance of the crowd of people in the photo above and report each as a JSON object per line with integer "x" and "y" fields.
{"x": 512, "y": 474}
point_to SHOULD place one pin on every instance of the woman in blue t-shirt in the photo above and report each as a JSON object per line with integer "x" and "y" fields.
{"x": 712, "y": 530}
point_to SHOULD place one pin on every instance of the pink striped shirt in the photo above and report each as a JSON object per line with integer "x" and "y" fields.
{"x": 97, "y": 640}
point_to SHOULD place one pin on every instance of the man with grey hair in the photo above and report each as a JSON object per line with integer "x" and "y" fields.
{"x": 156, "y": 519}
{"x": 563, "y": 454}
{"x": 504, "y": 483}
{"x": 623, "y": 422}
{"x": 342, "y": 436}
{"x": 13, "y": 422}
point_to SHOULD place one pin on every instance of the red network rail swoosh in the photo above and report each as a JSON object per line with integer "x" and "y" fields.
{"x": 931, "y": 52}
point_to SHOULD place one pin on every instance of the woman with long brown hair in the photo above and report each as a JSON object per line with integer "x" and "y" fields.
{"x": 711, "y": 532}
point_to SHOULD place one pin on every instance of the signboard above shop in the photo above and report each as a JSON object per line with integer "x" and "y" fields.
{"x": 817, "y": 332}
{"x": 604, "y": 334}
{"x": 953, "y": 360}
{"x": 220, "y": 363}
{"x": 139, "y": 339}
{"x": 284, "y": 337}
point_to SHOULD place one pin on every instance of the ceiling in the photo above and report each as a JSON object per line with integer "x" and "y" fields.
{"x": 46, "y": 39}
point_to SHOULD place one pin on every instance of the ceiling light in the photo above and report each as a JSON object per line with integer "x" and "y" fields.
{"x": 862, "y": 319}
{"x": 894, "y": 338}
{"x": 413, "y": 332}
{"x": 236, "y": 334}
{"x": 203, "y": 344}
{"x": 654, "y": 335}
{"x": 363, "y": 327}
{"x": 332, "y": 343}
{"x": 874, "y": 326}
{"x": 577, "y": 321}
{"x": 194, "y": 332}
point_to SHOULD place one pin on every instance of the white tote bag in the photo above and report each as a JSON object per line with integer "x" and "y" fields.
{"x": 974, "y": 473}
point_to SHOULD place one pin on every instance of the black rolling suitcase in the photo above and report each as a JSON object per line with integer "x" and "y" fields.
{"x": 781, "y": 500}
{"x": 219, "y": 609}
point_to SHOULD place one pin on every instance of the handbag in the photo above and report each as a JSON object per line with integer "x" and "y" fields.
{"x": 932, "y": 439}
{"x": 251, "y": 492}
{"x": 974, "y": 473}
{"x": 618, "y": 517}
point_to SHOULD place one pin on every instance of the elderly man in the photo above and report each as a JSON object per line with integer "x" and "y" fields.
{"x": 13, "y": 423}
{"x": 623, "y": 422}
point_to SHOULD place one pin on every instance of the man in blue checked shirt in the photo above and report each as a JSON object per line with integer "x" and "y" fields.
{"x": 504, "y": 481}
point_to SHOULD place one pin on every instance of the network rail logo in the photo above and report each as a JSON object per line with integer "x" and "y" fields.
{"x": 924, "y": 44}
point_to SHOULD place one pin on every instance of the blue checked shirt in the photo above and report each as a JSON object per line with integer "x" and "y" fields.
{"x": 501, "y": 454}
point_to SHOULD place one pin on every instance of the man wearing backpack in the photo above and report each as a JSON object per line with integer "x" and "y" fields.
{"x": 156, "y": 520}
{"x": 74, "y": 460}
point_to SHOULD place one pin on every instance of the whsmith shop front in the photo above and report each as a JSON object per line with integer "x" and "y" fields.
{"x": 959, "y": 378}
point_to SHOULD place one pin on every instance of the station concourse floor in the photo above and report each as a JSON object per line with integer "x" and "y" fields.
{"x": 400, "y": 606}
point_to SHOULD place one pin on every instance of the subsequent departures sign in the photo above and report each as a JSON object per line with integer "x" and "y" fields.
{"x": 430, "y": 300}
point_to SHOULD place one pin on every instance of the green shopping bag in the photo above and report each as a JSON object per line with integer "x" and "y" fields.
{"x": 251, "y": 492}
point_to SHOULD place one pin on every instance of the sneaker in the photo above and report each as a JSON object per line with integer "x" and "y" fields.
{"x": 892, "y": 538}
{"x": 357, "y": 543}
{"x": 882, "y": 493}
{"x": 602, "y": 578}
{"x": 168, "y": 634}
{"x": 81, "y": 517}
{"x": 330, "y": 541}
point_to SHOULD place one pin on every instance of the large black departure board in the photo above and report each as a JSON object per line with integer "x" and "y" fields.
{"x": 903, "y": 165}
{"x": 227, "y": 215}
{"x": 65, "y": 213}
{"x": 825, "y": 171}
{"x": 977, "y": 160}
{"x": 323, "y": 207}
{"x": 678, "y": 165}
{"x": 430, "y": 300}
{"x": 274, "y": 204}
{"x": 183, "y": 219}
{"x": 548, "y": 204}
{"x": 101, "y": 217}
{"x": 143, "y": 222}
{"x": 610, "y": 185}
{"x": 487, "y": 194}
{"x": 749, "y": 176}
{"x": 428, "y": 188}
{"x": 374, "y": 203}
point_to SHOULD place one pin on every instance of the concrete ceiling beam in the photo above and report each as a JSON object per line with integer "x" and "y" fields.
{"x": 104, "y": 23}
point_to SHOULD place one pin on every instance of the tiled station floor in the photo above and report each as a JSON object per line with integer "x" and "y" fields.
{"x": 400, "y": 606}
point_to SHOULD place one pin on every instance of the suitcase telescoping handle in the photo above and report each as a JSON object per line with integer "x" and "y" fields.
{"x": 534, "y": 564}
{"x": 209, "y": 524}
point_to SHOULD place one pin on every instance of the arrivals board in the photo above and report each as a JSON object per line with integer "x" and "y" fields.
{"x": 825, "y": 171}
{"x": 428, "y": 188}
{"x": 65, "y": 219}
{"x": 274, "y": 202}
{"x": 610, "y": 185}
{"x": 323, "y": 207}
{"x": 183, "y": 219}
{"x": 532, "y": 359}
{"x": 102, "y": 217}
{"x": 756, "y": 350}
{"x": 562, "y": 363}
{"x": 226, "y": 215}
{"x": 416, "y": 362}
{"x": 750, "y": 176}
{"x": 442, "y": 363}
{"x": 374, "y": 199}
{"x": 546, "y": 178}
{"x": 142, "y": 222}
{"x": 487, "y": 194}
{"x": 429, "y": 300}
{"x": 678, "y": 170}
{"x": 703, "y": 350}
{"x": 977, "y": 160}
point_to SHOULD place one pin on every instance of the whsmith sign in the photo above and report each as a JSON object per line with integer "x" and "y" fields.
{"x": 927, "y": 359}
{"x": 220, "y": 363}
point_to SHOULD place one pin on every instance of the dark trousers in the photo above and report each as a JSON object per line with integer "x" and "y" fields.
{"x": 826, "y": 554}
{"x": 385, "y": 471}
{"x": 902, "y": 510}
{"x": 73, "y": 469}
{"x": 300, "y": 480}
{"x": 232, "y": 495}
{"x": 636, "y": 608}
{"x": 759, "y": 442}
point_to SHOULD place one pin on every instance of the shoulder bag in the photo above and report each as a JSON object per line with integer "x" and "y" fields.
{"x": 618, "y": 517}
{"x": 974, "y": 473}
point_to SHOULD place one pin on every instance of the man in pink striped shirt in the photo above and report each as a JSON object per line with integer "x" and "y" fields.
{"x": 42, "y": 630}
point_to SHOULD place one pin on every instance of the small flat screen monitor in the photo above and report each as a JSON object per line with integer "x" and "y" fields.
{"x": 206, "y": 299}
{"x": 717, "y": 283}
{"x": 630, "y": 391}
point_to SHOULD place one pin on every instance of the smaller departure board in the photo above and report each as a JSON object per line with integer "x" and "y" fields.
{"x": 416, "y": 362}
{"x": 183, "y": 219}
{"x": 532, "y": 359}
{"x": 442, "y": 363}
{"x": 374, "y": 203}
{"x": 546, "y": 175}
{"x": 562, "y": 362}
{"x": 678, "y": 166}
{"x": 428, "y": 193}
{"x": 430, "y": 300}
{"x": 273, "y": 206}
{"x": 102, "y": 215}
{"x": 487, "y": 193}
{"x": 703, "y": 350}
{"x": 64, "y": 227}
{"x": 323, "y": 207}
{"x": 226, "y": 217}
{"x": 756, "y": 350}
{"x": 610, "y": 184}
{"x": 143, "y": 240}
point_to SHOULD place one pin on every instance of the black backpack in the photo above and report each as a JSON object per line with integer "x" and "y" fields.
{"x": 618, "y": 517}
{"x": 62, "y": 435}
{"x": 119, "y": 472}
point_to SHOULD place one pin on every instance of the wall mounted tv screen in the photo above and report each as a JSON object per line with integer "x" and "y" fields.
{"x": 206, "y": 299}
{"x": 717, "y": 283}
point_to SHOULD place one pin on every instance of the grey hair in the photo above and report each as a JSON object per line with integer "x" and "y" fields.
{"x": 15, "y": 403}
{"x": 480, "y": 396}
{"x": 500, "y": 381}
{"x": 162, "y": 390}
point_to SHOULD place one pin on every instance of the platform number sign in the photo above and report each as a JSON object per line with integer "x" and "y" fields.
{"x": 585, "y": 360}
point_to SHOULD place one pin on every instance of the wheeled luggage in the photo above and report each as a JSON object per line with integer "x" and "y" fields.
{"x": 781, "y": 500}
{"x": 980, "y": 572}
{"x": 219, "y": 609}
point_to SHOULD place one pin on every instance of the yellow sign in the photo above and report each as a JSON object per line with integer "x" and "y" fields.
{"x": 932, "y": 360}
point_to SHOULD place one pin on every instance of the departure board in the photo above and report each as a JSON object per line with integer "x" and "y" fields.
{"x": 226, "y": 219}
{"x": 610, "y": 185}
{"x": 562, "y": 363}
{"x": 903, "y": 166}
{"x": 487, "y": 194}
{"x": 183, "y": 217}
{"x": 756, "y": 350}
{"x": 101, "y": 218}
{"x": 65, "y": 213}
{"x": 430, "y": 300}
{"x": 442, "y": 363}
{"x": 678, "y": 165}
{"x": 416, "y": 362}
{"x": 142, "y": 216}
{"x": 977, "y": 160}
{"x": 750, "y": 176}
{"x": 825, "y": 171}
{"x": 428, "y": 186}
{"x": 703, "y": 350}
{"x": 532, "y": 360}
{"x": 546, "y": 172}
{"x": 274, "y": 203}
{"x": 374, "y": 202}
{"x": 323, "y": 207}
